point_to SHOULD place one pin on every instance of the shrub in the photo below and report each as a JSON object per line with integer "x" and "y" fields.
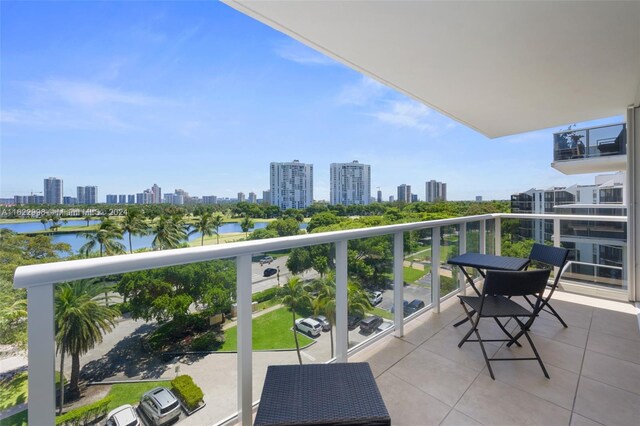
{"x": 265, "y": 295}
{"x": 83, "y": 415}
{"x": 206, "y": 342}
{"x": 189, "y": 393}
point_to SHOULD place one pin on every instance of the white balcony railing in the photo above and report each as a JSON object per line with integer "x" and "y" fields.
{"x": 39, "y": 280}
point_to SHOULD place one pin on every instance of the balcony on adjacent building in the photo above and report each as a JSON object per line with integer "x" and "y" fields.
{"x": 592, "y": 150}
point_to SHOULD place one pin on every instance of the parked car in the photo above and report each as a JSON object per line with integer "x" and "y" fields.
{"x": 124, "y": 415}
{"x": 308, "y": 326}
{"x": 353, "y": 321}
{"x": 266, "y": 260}
{"x": 269, "y": 271}
{"x": 324, "y": 322}
{"x": 414, "y": 306}
{"x": 160, "y": 405}
{"x": 376, "y": 298}
{"x": 405, "y": 305}
{"x": 370, "y": 324}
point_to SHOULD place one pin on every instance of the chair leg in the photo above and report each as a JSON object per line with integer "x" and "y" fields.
{"x": 507, "y": 332}
{"x": 535, "y": 351}
{"x": 484, "y": 352}
{"x": 462, "y": 321}
{"x": 473, "y": 325}
{"x": 557, "y": 315}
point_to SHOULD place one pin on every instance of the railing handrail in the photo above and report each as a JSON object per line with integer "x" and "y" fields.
{"x": 589, "y": 128}
{"x": 51, "y": 273}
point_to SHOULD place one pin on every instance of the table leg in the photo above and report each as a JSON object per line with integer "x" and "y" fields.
{"x": 473, "y": 285}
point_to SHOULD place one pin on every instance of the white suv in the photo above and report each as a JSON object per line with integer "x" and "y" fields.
{"x": 309, "y": 326}
{"x": 160, "y": 405}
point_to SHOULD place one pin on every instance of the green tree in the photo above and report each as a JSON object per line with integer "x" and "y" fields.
{"x": 325, "y": 303}
{"x": 170, "y": 232}
{"x": 44, "y": 222}
{"x": 321, "y": 219}
{"x": 217, "y": 222}
{"x": 105, "y": 237}
{"x": 246, "y": 224}
{"x": 205, "y": 226}
{"x": 295, "y": 296}
{"x": 80, "y": 323}
{"x": 285, "y": 227}
{"x": 357, "y": 300}
{"x": 134, "y": 224}
{"x": 87, "y": 219}
{"x": 299, "y": 260}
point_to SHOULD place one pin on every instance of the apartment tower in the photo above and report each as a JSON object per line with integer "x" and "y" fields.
{"x": 350, "y": 183}
{"x": 291, "y": 185}
{"x": 53, "y": 190}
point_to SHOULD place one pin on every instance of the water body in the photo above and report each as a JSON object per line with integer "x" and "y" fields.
{"x": 77, "y": 240}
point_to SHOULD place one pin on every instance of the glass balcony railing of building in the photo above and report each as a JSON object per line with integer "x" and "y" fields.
{"x": 578, "y": 144}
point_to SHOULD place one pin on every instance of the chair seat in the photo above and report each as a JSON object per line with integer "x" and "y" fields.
{"x": 496, "y": 306}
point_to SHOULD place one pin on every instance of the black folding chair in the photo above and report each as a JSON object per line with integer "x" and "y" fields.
{"x": 495, "y": 303}
{"x": 553, "y": 256}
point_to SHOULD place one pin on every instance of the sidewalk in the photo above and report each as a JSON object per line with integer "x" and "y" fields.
{"x": 232, "y": 323}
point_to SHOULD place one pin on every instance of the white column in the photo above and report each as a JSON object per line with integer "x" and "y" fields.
{"x": 462, "y": 243}
{"x": 498, "y": 236}
{"x": 342, "y": 333}
{"x": 633, "y": 197}
{"x": 435, "y": 269}
{"x": 398, "y": 283}
{"x": 245, "y": 374}
{"x": 483, "y": 236}
{"x": 556, "y": 240}
{"x": 42, "y": 355}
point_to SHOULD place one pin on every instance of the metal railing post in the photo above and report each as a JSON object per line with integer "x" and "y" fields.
{"x": 42, "y": 355}
{"x": 398, "y": 283}
{"x": 342, "y": 332}
{"x": 497, "y": 235}
{"x": 245, "y": 374}
{"x": 435, "y": 269}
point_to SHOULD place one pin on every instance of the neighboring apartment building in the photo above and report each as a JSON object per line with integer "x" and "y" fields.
{"x": 591, "y": 243}
{"x": 253, "y": 198}
{"x": 122, "y": 199}
{"x": 404, "y": 193}
{"x": 241, "y": 197}
{"x": 111, "y": 198}
{"x": 156, "y": 192}
{"x": 266, "y": 197}
{"x": 350, "y": 183}
{"x": 435, "y": 191}
{"x": 291, "y": 185}
{"x": 131, "y": 199}
{"x": 209, "y": 199}
{"x": 87, "y": 194}
{"x": 53, "y": 189}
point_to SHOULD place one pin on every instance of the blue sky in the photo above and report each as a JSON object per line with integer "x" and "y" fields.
{"x": 195, "y": 95}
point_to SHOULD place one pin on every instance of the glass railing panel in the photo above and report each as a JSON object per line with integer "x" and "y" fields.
{"x": 370, "y": 271}
{"x": 417, "y": 270}
{"x": 449, "y": 247}
{"x": 590, "y": 143}
{"x": 490, "y": 236}
{"x": 473, "y": 243}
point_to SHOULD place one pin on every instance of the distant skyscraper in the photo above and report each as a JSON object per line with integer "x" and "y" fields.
{"x": 253, "y": 198}
{"x": 379, "y": 199}
{"x": 391, "y": 199}
{"x": 87, "y": 194}
{"x": 266, "y": 197}
{"x": 414, "y": 198}
{"x": 53, "y": 190}
{"x": 404, "y": 193}
{"x": 156, "y": 192}
{"x": 131, "y": 199}
{"x": 291, "y": 185}
{"x": 478, "y": 197}
{"x": 435, "y": 191}
{"x": 111, "y": 198}
{"x": 209, "y": 199}
{"x": 350, "y": 183}
{"x": 122, "y": 199}
{"x": 69, "y": 200}
{"x": 241, "y": 197}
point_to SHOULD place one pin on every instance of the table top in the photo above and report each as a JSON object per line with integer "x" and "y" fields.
{"x": 321, "y": 394}
{"x": 489, "y": 261}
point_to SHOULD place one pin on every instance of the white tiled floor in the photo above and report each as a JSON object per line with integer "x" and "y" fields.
{"x": 425, "y": 379}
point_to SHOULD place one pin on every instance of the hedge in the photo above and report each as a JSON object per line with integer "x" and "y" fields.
{"x": 190, "y": 393}
{"x": 85, "y": 414}
{"x": 262, "y": 296}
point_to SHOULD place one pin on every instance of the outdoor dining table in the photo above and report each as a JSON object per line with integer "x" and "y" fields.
{"x": 321, "y": 394}
{"x": 481, "y": 262}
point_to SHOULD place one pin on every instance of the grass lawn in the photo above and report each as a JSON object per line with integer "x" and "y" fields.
{"x": 130, "y": 393}
{"x": 19, "y": 419}
{"x": 381, "y": 313}
{"x": 412, "y": 275}
{"x": 270, "y": 331}
{"x": 15, "y": 391}
{"x": 224, "y": 238}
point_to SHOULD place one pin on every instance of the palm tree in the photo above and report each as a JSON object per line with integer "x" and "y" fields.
{"x": 80, "y": 323}
{"x": 44, "y": 222}
{"x": 204, "y": 225}
{"x": 246, "y": 224}
{"x": 325, "y": 302}
{"x": 357, "y": 300}
{"x": 134, "y": 224}
{"x": 87, "y": 218}
{"x": 105, "y": 237}
{"x": 170, "y": 231}
{"x": 295, "y": 296}
{"x": 217, "y": 222}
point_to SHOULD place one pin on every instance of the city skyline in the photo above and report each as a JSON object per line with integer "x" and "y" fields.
{"x": 194, "y": 95}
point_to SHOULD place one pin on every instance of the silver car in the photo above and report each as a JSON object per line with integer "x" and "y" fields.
{"x": 160, "y": 405}
{"x": 124, "y": 415}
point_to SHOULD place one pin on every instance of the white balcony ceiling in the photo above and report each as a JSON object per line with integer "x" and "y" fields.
{"x": 498, "y": 67}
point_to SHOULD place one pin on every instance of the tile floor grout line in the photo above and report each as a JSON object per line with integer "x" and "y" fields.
{"x": 584, "y": 355}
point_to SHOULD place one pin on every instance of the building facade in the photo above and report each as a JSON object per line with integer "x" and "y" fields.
{"x": 111, "y": 198}
{"x": 350, "y": 183}
{"x": 156, "y": 192}
{"x": 53, "y": 189}
{"x": 87, "y": 194}
{"x": 404, "y": 193}
{"x": 291, "y": 185}
{"x": 435, "y": 191}
{"x": 266, "y": 197}
{"x": 253, "y": 198}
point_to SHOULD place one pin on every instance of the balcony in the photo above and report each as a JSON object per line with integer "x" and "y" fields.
{"x": 592, "y": 150}
{"x": 415, "y": 343}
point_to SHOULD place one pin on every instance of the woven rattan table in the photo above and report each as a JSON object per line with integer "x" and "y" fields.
{"x": 321, "y": 394}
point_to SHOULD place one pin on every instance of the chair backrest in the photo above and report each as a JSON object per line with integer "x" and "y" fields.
{"x": 515, "y": 283}
{"x": 555, "y": 256}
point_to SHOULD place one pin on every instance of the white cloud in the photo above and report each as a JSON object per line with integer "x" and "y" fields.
{"x": 86, "y": 94}
{"x": 364, "y": 92}
{"x": 301, "y": 54}
{"x": 406, "y": 114}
